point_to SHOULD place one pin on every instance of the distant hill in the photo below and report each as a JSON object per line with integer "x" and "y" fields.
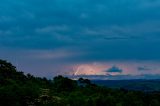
{"x": 138, "y": 85}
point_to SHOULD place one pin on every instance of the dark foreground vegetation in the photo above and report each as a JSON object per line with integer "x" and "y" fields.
{"x": 17, "y": 89}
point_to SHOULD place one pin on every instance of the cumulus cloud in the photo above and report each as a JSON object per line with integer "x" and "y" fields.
{"x": 114, "y": 69}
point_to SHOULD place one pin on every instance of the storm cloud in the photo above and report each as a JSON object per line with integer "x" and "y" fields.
{"x": 114, "y": 69}
{"x": 75, "y": 32}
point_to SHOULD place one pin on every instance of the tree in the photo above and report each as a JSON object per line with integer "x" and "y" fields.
{"x": 64, "y": 84}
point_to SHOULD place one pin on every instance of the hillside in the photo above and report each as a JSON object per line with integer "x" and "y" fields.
{"x": 17, "y": 89}
{"x": 138, "y": 85}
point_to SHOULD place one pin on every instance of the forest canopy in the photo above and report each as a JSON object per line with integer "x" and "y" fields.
{"x": 18, "y": 89}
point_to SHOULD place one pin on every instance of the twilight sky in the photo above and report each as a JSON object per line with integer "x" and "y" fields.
{"x": 117, "y": 39}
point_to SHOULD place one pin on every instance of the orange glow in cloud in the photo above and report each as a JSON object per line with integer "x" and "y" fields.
{"x": 128, "y": 68}
{"x": 90, "y": 69}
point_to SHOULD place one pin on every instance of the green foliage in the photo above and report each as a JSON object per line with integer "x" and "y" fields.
{"x": 17, "y": 89}
{"x": 62, "y": 84}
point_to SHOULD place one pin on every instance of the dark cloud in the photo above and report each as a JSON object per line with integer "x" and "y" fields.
{"x": 114, "y": 69}
{"x": 143, "y": 68}
{"x": 92, "y": 30}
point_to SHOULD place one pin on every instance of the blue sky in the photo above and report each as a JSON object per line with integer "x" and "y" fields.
{"x": 50, "y": 37}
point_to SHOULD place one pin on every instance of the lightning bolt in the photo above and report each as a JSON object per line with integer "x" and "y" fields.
{"x": 76, "y": 72}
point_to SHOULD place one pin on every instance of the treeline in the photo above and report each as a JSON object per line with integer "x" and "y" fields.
{"x": 17, "y": 89}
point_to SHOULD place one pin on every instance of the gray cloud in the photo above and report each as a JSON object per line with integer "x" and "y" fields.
{"x": 114, "y": 69}
{"x": 143, "y": 68}
{"x": 89, "y": 30}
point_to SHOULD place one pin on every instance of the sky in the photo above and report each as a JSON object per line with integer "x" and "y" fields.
{"x": 111, "y": 39}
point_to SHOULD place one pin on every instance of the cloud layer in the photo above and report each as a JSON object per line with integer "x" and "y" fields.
{"x": 78, "y": 32}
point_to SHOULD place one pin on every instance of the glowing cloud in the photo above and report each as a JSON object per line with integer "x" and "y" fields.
{"x": 89, "y": 69}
